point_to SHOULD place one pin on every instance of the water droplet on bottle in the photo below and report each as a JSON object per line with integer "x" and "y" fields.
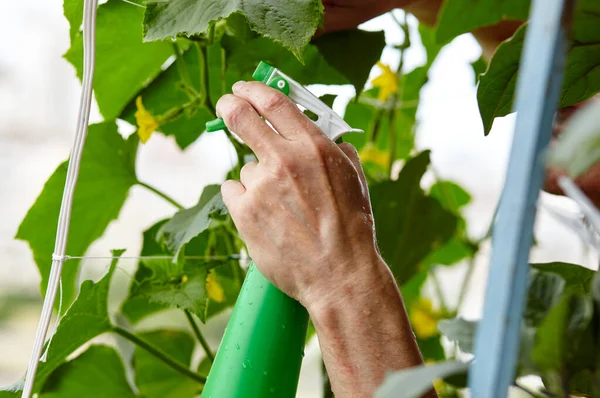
{"x": 261, "y": 286}
{"x": 302, "y": 354}
{"x": 237, "y": 346}
{"x": 265, "y": 373}
{"x": 248, "y": 364}
{"x": 272, "y": 389}
{"x": 226, "y": 347}
{"x": 241, "y": 323}
{"x": 282, "y": 326}
{"x": 249, "y": 302}
{"x": 244, "y": 365}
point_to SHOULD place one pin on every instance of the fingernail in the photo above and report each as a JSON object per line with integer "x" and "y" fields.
{"x": 238, "y": 85}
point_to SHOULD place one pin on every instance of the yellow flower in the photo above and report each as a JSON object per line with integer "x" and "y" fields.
{"x": 144, "y": 120}
{"x": 370, "y": 153}
{"x": 214, "y": 290}
{"x": 387, "y": 82}
{"x": 424, "y": 319}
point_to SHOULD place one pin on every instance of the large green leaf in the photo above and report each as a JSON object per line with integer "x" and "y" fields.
{"x": 181, "y": 285}
{"x": 165, "y": 93}
{"x": 451, "y": 195}
{"x": 416, "y": 381}
{"x": 153, "y": 377}
{"x": 227, "y": 273}
{"x": 462, "y": 16}
{"x": 409, "y": 223}
{"x": 189, "y": 223}
{"x": 107, "y": 172}
{"x": 97, "y": 373}
{"x": 243, "y": 56}
{"x": 355, "y": 65}
{"x": 137, "y": 307}
{"x": 582, "y": 73}
{"x": 291, "y": 23}
{"x": 86, "y": 318}
{"x": 123, "y": 64}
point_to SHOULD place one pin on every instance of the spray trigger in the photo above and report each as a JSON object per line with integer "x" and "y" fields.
{"x": 327, "y": 120}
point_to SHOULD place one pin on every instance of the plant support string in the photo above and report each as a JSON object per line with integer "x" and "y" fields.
{"x": 64, "y": 218}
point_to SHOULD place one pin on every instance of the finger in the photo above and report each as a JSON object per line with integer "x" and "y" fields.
{"x": 352, "y": 154}
{"x": 277, "y": 108}
{"x": 248, "y": 174}
{"x": 231, "y": 192}
{"x": 241, "y": 118}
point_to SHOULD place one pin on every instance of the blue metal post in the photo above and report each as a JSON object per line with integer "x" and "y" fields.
{"x": 540, "y": 79}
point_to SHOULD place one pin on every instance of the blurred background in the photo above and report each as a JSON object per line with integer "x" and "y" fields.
{"x": 39, "y": 93}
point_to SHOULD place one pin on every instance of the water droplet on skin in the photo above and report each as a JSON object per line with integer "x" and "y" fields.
{"x": 237, "y": 346}
{"x": 317, "y": 208}
{"x": 331, "y": 159}
{"x": 294, "y": 175}
{"x": 367, "y": 312}
{"x": 378, "y": 354}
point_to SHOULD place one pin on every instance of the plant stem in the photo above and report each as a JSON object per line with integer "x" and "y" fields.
{"x": 161, "y": 194}
{"x": 199, "y": 336}
{"x": 466, "y": 281}
{"x": 166, "y": 358}
{"x": 182, "y": 69}
{"x": 438, "y": 291}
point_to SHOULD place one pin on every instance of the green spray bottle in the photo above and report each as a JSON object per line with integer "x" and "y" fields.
{"x": 262, "y": 349}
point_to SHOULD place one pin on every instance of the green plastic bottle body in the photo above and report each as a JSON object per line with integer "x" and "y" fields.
{"x": 263, "y": 346}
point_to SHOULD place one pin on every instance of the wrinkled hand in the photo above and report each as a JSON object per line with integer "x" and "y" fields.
{"x": 304, "y": 208}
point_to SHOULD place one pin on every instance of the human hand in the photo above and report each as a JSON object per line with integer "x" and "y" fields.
{"x": 304, "y": 208}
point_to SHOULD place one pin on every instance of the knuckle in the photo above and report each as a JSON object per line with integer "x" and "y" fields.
{"x": 234, "y": 111}
{"x": 274, "y": 102}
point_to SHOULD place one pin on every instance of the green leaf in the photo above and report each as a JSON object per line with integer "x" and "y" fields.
{"x": 106, "y": 175}
{"x": 460, "y": 331}
{"x": 560, "y": 331}
{"x": 243, "y": 56}
{"x": 578, "y": 146}
{"x": 354, "y": 65}
{"x": 97, "y": 373}
{"x": 73, "y": 10}
{"x": 189, "y": 223}
{"x": 577, "y": 278}
{"x": 165, "y": 93}
{"x": 153, "y": 377}
{"x": 123, "y": 64}
{"x": 455, "y": 250}
{"x": 416, "y": 381}
{"x": 544, "y": 291}
{"x": 451, "y": 195}
{"x": 227, "y": 273}
{"x": 409, "y": 224}
{"x": 290, "y": 24}
{"x": 85, "y": 319}
{"x": 176, "y": 286}
{"x": 582, "y": 72}
{"x": 137, "y": 307}
{"x": 462, "y": 16}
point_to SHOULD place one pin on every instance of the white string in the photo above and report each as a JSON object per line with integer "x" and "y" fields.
{"x": 58, "y": 258}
